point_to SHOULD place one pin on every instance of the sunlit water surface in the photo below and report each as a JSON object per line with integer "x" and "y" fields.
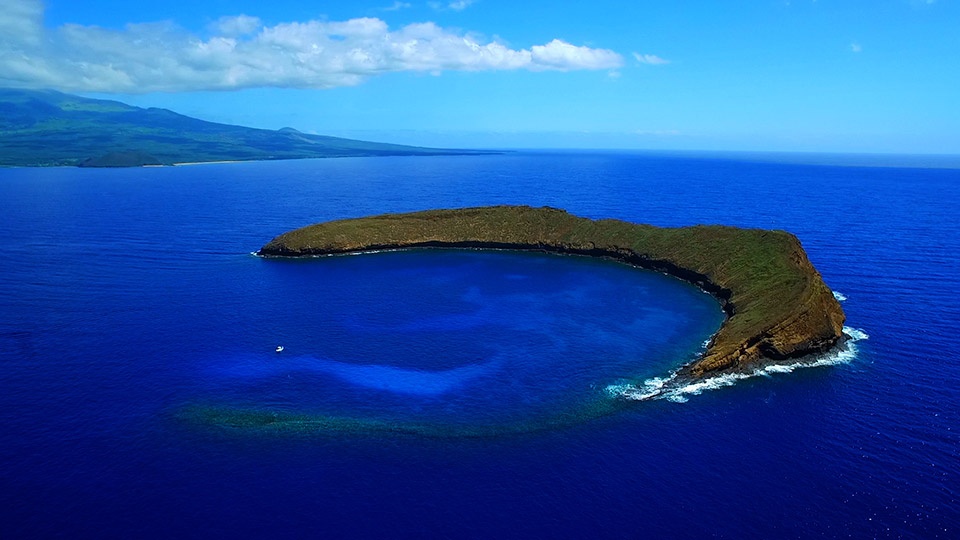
{"x": 131, "y": 301}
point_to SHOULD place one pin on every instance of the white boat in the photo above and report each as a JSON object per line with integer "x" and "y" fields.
{"x": 279, "y": 348}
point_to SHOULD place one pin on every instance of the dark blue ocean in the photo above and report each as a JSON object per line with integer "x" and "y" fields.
{"x": 464, "y": 394}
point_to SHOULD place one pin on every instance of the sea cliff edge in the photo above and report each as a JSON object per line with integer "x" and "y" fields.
{"x": 776, "y": 304}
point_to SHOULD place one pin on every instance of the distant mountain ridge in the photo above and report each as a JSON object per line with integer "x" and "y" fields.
{"x": 48, "y": 128}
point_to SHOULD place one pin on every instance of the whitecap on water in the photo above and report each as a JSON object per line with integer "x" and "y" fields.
{"x": 670, "y": 389}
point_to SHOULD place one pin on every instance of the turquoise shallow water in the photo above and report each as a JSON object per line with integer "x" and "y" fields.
{"x": 130, "y": 296}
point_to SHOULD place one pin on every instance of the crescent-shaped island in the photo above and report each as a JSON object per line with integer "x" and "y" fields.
{"x": 776, "y": 304}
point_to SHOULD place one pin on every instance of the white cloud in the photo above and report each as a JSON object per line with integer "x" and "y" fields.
{"x": 239, "y": 25}
{"x": 856, "y": 47}
{"x": 650, "y": 59}
{"x": 397, "y": 6}
{"x": 455, "y": 5}
{"x": 243, "y": 53}
{"x": 21, "y": 23}
{"x": 460, "y": 5}
{"x": 563, "y": 56}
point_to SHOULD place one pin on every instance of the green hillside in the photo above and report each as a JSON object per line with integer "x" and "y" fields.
{"x": 47, "y": 128}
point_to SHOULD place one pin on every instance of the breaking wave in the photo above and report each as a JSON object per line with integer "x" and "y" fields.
{"x": 670, "y": 389}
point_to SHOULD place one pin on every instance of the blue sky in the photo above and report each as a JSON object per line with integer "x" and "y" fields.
{"x": 798, "y": 75}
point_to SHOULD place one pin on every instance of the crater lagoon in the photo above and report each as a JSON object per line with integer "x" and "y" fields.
{"x": 443, "y": 342}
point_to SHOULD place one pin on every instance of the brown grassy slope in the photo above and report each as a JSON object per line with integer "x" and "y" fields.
{"x": 778, "y": 306}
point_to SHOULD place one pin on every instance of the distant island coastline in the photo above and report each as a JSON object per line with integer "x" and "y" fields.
{"x": 776, "y": 304}
{"x": 44, "y": 128}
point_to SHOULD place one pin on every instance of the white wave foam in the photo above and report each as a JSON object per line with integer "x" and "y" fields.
{"x": 669, "y": 389}
{"x": 650, "y": 389}
{"x": 839, "y": 296}
{"x": 855, "y": 334}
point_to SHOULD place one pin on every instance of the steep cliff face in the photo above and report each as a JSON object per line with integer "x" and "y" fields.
{"x": 777, "y": 304}
{"x": 814, "y": 324}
